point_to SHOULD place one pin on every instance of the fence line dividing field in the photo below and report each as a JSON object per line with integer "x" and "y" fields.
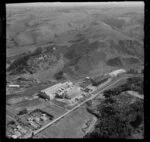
{"x": 58, "y": 106}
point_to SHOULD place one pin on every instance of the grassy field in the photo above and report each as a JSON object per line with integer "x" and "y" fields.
{"x": 69, "y": 127}
{"x": 121, "y": 82}
{"x": 54, "y": 110}
{"x": 8, "y": 118}
{"x": 59, "y": 103}
{"x": 28, "y": 103}
{"x": 11, "y": 111}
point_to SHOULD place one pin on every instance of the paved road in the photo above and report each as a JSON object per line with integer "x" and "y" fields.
{"x": 99, "y": 90}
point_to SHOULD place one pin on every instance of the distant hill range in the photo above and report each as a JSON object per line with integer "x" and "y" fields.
{"x": 83, "y": 41}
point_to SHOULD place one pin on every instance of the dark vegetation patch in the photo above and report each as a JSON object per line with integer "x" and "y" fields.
{"x": 131, "y": 47}
{"x": 79, "y": 57}
{"x": 60, "y": 76}
{"x": 137, "y": 121}
{"x": 115, "y": 62}
{"x": 80, "y": 49}
{"x": 99, "y": 80}
{"x": 131, "y": 60}
{"x": 135, "y": 84}
{"x": 23, "y": 111}
{"x": 118, "y": 116}
{"x": 44, "y": 96}
{"x": 20, "y": 65}
{"x": 117, "y": 121}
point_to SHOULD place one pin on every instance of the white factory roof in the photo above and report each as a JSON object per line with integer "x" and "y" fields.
{"x": 74, "y": 91}
{"x": 116, "y": 72}
{"x": 52, "y": 89}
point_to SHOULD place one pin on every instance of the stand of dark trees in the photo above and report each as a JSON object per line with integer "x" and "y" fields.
{"x": 117, "y": 122}
{"x": 115, "y": 119}
{"x": 132, "y": 71}
{"x": 20, "y": 65}
{"x": 59, "y": 75}
{"x": 135, "y": 84}
{"x": 22, "y": 112}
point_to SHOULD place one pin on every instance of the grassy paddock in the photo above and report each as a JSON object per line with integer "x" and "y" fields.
{"x": 54, "y": 110}
{"x": 121, "y": 82}
{"x": 70, "y": 126}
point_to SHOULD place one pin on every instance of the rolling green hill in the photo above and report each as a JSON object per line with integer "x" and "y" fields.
{"x": 76, "y": 41}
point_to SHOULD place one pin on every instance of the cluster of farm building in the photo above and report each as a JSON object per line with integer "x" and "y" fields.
{"x": 24, "y": 127}
{"x": 66, "y": 92}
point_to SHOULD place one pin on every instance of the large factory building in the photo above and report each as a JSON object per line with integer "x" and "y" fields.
{"x": 57, "y": 89}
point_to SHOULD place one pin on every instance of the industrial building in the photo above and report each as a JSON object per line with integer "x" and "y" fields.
{"x": 99, "y": 80}
{"x": 58, "y": 88}
{"x": 73, "y": 92}
{"x": 116, "y": 72}
{"x": 51, "y": 90}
